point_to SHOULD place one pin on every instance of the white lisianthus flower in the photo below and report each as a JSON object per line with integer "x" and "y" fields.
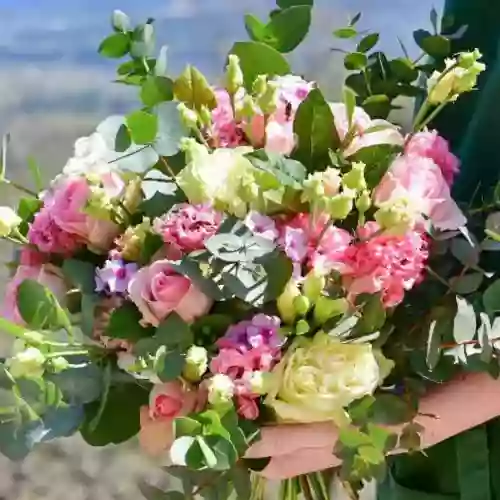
{"x": 319, "y": 377}
{"x": 220, "y": 390}
{"x": 9, "y": 220}
{"x": 196, "y": 363}
{"x": 223, "y": 178}
{"x": 28, "y": 363}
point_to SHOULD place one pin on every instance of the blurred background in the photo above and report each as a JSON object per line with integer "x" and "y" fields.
{"x": 55, "y": 88}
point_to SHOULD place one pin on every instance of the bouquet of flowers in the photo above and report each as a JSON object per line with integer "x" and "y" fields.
{"x": 232, "y": 260}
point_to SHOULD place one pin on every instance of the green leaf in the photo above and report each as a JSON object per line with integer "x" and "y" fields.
{"x": 351, "y": 437}
{"x": 284, "y": 4}
{"x": 289, "y": 27}
{"x": 27, "y": 209}
{"x": 434, "y": 19}
{"x": 379, "y": 158}
{"x": 184, "y": 426}
{"x": 491, "y": 298}
{"x": 80, "y": 384}
{"x": 152, "y": 243}
{"x": 89, "y": 303}
{"x": 355, "y": 61}
{"x": 371, "y": 454}
{"x": 170, "y": 130}
{"x": 240, "y": 477}
{"x": 123, "y": 140}
{"x": 156, "y": 89}
{"x": 115, "y": 426}
{"x": 466, "y": 284}
{"x": 348, "y": 32}
{"x": 124, "y": 323}
{"x": 193, "y": 89}
{"x": 368, "y": 42}
{"x": 36, "y": 173}
{"x": 160, "y": 203}
{"x": 389, "y": 409}
{"x": 168, "y": 365}
{"x": 315, "y": 130}
{"x": 120, "y": 21}
{"x": 174, "y": 332}
{"x": 465, "y": 252}
{"x": 381, "y": 438}
{"x": 39, "y": 307}
{"x": 436, "y": 46}
{"x": 373, "y": 316}
{"x": 434, "y": 340}
{"x": 404, "y": 69}
{"x": 81, "y": 274}
{"x": 224, "y": 452}
{"x": 257, "y": 58}
{"x": 410, "y": 437}
{"x": 115, "y": 46}
{"x": 143, "y": 126}
{"x": 377, "y": 105}
{"x": 464, "y": 326}
{"x": 350, "y": 103}
{"x": 143, "y": 41}
{"x": 256, "y": 29}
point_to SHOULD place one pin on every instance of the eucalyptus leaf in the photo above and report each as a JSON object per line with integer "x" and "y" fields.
{"x": 368, "y": 42}
{"x": 171, "y": 130}
{"x": 115, "y": 46}
{"x": 464, "y": 326}
{"x": 288, "y": 28}
{"x": 491, "y": 298}
{"x": 143, "y": 126}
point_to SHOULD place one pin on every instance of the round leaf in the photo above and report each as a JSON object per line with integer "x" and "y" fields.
{"x": 115, "y": 46}
{"x": 257, "y": 58}
{"x": 491, "y": 297}
{"x": 348, "y": 32}
{"x": 289, "y": 27}
{"x": 143, "y": 127}
{"x": 355, "y": 61}
{"x": 464, "y": 327}
{"x": 156, "y": 89}
{"x": 368, "y": 42}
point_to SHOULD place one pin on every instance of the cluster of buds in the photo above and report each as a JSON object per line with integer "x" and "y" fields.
{"x": 459, "y": 76}
{"x": 131, "y": 242}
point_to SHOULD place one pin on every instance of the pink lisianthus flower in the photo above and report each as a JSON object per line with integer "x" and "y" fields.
{"x": 362, "y": 122}
{"x": 48, "y": 237}
{"x": 429, "y": 144}
{"x": 67, "y": 204}
{"x": 262, "y": 225}
{"x": 186, "y": 227}
{"x": 292, "y": 90}
{"x": 385, "y": 264}
{"x": 47, "y": 275}
{"x": 158, "y": 290}
{"x": 420, "y": 182}
{"x": 300, "y": 240}
{"x": 226, "y": 131}
{"x": 166, "y": 402}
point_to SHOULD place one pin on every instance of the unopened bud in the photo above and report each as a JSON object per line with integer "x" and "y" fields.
{"x": 189, "y": 117}
{"x": 301, "y": 304}
{"x": 313, "y": 285}
{"x": 364, "y": 202}
{"x": 302, "y": 327}
{"x": 355, "y": 179}
{"x": 259, "y": 85}
{"x": 59, "y": 364}
{"x": 268, "y": 101}
{"x": 327, "y": 308}
{"x": 340, "y": 206}
{"x": 205, "y": 116}
{"x": 285, "y": 302}
{"x": 196, "y": 364}
{"x": 234, "y": 75}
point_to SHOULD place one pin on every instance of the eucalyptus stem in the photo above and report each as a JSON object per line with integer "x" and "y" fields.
{"x": 19, "y": 187}
{"x": 433, "y": 115}
{"x": 12, "y": 329}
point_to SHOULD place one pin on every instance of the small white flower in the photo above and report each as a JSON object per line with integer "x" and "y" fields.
{"x": 196, "y": 363}
{"x": 9, "y": 220}
{"x": 28, "y": 363}
{"x": 220, "y": 390}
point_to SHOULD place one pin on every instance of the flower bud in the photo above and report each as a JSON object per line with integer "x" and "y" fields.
{"x": 469, "y": 59}
{"x": 301, "y": 304}
{"x": 132, "y": 241}
{"x": 355, "y": 179}
{"x": 247, "y": 109}
{"x": 268, "y": 101}
{"x": 234, "y": 75}
{"x": 397, "y": 216}
{"x": 364, "y": 202}
{"x": 133, "y": 194}
{"x": 340, "y": 206}
{"x": 259, "y": 85}
{"x": 285, "y": 302}
{"x": 9, "y": 220}
{"x": 313, "y": 285}
{"x": 196, "y": 364}
{"x": 205, "y": 116}
{"x": 28, "y": 363}
{"x": 59, "y": 364}
{"x": 220, "y": 390}
{"x": 327, "y": 308}
{"x": 302, "y": 327}
{"x": 189, "y": 117}
{"x": 258, "y": 382}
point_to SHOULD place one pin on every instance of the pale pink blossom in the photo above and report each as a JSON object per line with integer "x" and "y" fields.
{"x": 262, "y": 225}
{"x": 420, "y": 182}
{"x": 386, "y": 133}
{"x": 47, "y": 275}
{"x": 430, "y": 144}
{"x": 158, "y": 290}
{"x": 382, "y": 263}
{"x": 186, "y": 227}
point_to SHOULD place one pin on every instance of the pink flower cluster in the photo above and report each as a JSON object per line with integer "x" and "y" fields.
{"x": 248, "y": 347}
{"x": 186, "y": 227}
{"x": 430, "y": 144}
{"x": 275, "y": 133}
{"x": 383, "y": 263}
{"x": 62, "y": 225}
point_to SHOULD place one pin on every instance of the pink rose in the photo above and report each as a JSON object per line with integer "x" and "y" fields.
{"x": 430, "y": 144}
{"x": 47, "y": 275}
{"x": 186, "y": 227}
{"x": 166, "y": 402}
{"x": 421, "y": 181}
{"x": 361, "y": 122}
{"x": 67, "y": 206}
{"x": 157, "y": 290}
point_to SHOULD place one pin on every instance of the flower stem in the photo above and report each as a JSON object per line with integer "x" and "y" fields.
{"x": 433, "y": 115}
{"x": 81, "y": 352}
{"x": 12, "y": 329}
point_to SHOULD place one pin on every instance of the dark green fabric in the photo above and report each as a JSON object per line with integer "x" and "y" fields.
{"x": 466, "y": 467}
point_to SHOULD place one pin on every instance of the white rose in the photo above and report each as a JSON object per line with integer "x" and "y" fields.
{"x": 319, "y": 377}
{"x": 220, "y": 390}
{"x": 28, "y": 363}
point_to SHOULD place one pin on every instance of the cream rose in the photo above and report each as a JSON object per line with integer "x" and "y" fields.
{"x": 318, "y": 378}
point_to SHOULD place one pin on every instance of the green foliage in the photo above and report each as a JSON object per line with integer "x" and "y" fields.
{"x": 115, "y": 46}
{"x": 27, "y": 209}
{"x": 160, "y": 203}
{"x": 80, "y": 274}
{"x": 39, "y": 307}
{"x": 124, "y": 324}
{"x": 257, "y": 58}
{"x": 143, "y": 126}
{"x": 170, "y": 130}
{"x": 193, "y": 89}
{"x": 156, "y": 89}
{"x": 315, "y": 130}
{"x": 491, "y": 298}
